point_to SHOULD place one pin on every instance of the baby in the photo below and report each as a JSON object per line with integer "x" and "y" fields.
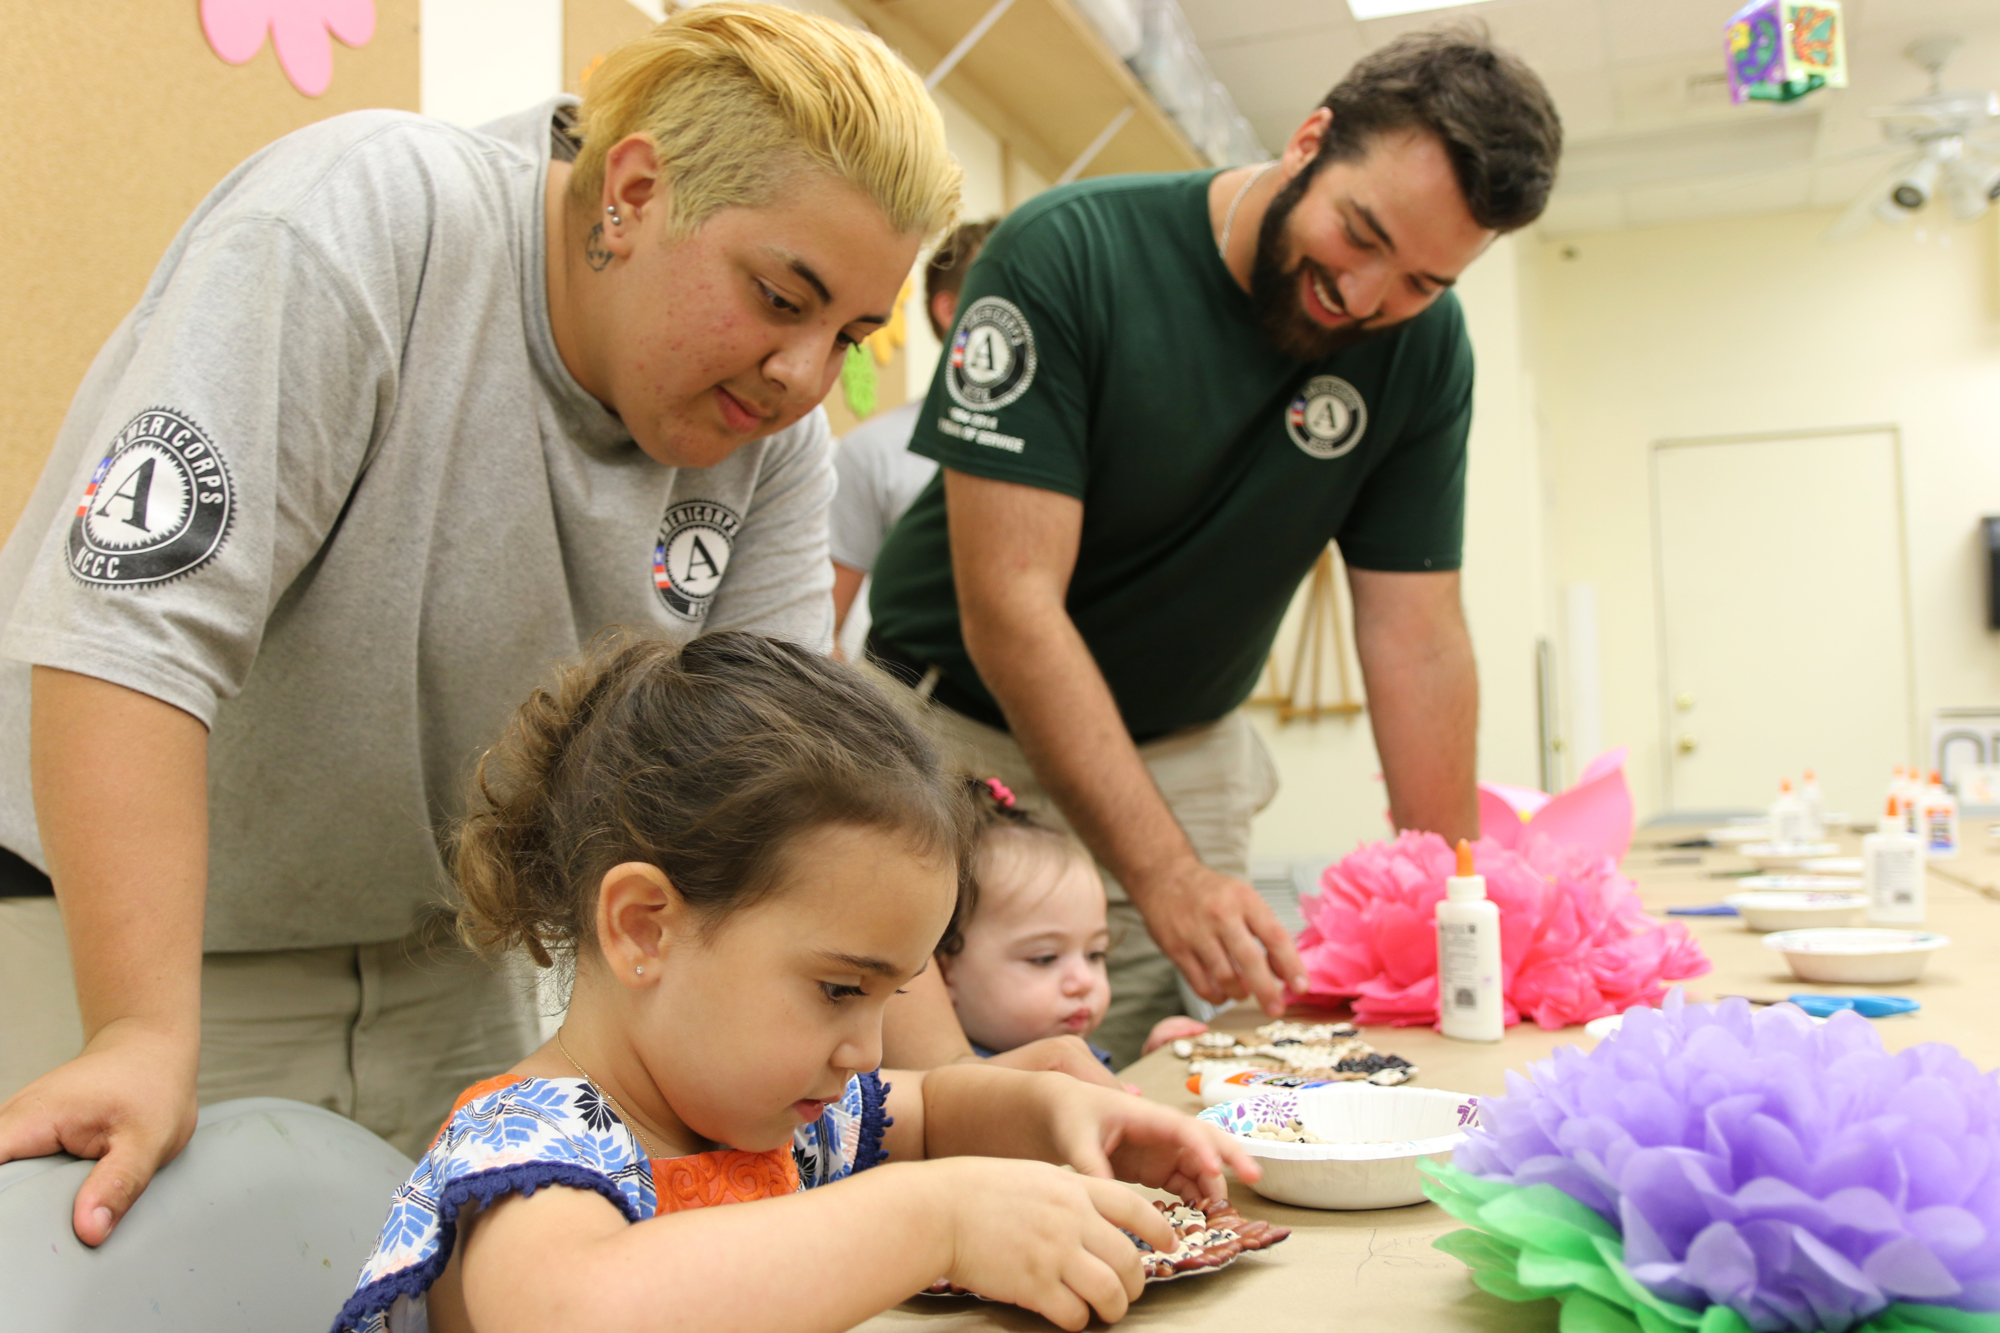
{"x": 1028, "y": 961}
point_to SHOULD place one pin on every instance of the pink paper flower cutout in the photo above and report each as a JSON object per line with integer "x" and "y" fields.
{"x": 1575, "y": 944}
{"x": 1596, "y": 813}
{"x": 298, "y": 30}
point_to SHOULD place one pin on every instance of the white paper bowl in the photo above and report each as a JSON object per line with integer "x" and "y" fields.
{"x": 1794, "y": 883}
{"x": 1856, "y": 955}
{"x": 1770, "y": 855}
{"x": 1376, "y": 1137}
{"x": 1780, "y": 909}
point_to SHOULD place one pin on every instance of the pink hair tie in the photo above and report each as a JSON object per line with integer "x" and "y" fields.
{"x": 1000, "y": 792}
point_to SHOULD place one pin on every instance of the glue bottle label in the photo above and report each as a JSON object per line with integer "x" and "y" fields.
{"x": 1458, "y": 973}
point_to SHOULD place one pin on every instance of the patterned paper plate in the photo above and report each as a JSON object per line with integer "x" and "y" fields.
{"x": 1213, "y": 1235}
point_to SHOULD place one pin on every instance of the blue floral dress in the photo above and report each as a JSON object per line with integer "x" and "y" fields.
{"x": 514, "y": 1137}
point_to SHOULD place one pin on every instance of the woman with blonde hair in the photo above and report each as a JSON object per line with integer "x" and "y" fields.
{"x": 406, "y": 413}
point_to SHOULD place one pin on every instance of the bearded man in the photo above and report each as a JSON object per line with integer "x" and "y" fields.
{"x": 1163, "y": 397}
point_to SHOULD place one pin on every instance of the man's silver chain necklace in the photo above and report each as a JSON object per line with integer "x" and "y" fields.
{"x": 1229, "y": 218}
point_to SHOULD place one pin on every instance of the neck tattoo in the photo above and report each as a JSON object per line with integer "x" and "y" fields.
{"x": 1229, "y": 218}
{"x": 623, "y": 1114}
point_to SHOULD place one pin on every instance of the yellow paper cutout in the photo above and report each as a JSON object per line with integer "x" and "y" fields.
{"x": 885, "y": 340}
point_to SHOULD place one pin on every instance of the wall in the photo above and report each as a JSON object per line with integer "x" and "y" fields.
{"x": 1332, "y": 796}
{"x": 484, "y": 59}
{"x": 119, "y": 120}
{"x": 1756, "y": 324}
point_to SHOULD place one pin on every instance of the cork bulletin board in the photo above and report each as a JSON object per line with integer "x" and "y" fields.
{"x": 118, "y": 119}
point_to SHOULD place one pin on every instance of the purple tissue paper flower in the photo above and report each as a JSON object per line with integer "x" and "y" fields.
{"x": 1801, "y": 1175}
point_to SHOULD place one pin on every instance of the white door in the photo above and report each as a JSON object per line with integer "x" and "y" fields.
{"x": 1783, "y": 617}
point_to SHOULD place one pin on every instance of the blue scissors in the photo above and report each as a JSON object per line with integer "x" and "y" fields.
{"x": 1868, "y": 1006}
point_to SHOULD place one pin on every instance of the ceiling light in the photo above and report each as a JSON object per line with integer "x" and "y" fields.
{"x": 1383, "y": 9}
{"x": 1913, "y": 191}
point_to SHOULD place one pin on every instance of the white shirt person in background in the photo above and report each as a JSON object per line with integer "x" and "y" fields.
{"x": 879, "y": 476}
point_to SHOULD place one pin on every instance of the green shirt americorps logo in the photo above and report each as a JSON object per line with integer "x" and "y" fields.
{"x": 1104, "y": 352}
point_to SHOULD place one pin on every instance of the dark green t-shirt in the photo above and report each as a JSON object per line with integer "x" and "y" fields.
{"x": 1103, "y": 351}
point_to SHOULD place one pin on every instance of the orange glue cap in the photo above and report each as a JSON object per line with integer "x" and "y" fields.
{"x": 1464, "y": 858}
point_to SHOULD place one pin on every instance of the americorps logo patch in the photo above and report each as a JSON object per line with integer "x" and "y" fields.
{"x": 1327, "y": 418}
{"x": 157, "y": 507}
{"x": 992, "y": 359}
{"x": 692, "y": 554}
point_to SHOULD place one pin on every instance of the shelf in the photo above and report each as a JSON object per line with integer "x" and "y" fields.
{"x": 1040, "y": 78}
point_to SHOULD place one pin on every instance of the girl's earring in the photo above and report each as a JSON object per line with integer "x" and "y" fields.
{"x": 612, "y": 209}
{"x": 640, "y": 970}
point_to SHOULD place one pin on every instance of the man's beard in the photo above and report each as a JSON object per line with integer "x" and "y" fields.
{"x": 1275, "y": 298}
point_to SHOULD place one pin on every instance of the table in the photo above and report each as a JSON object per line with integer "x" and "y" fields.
{"x": 1368, "y": 1271}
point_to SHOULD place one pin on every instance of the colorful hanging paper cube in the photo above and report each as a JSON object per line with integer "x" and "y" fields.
{"x": 1780, "y": 50}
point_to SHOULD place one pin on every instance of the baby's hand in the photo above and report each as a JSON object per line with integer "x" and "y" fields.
{"x": 1047, "y": 1239}
{"x": 1102, "y": 1134}
{"x": 1172, "y": 1029}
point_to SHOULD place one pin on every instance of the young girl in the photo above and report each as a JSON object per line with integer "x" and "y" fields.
{"x": 1026, "y": 959}
{"x": 744, "y": 850}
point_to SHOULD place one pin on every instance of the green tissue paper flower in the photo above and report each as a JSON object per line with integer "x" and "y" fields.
{"x": 1533, "y": 1242}
{"x": 858, "y": 380}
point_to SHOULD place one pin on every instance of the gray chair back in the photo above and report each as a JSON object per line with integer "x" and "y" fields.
{"x": 260, "y": 1225}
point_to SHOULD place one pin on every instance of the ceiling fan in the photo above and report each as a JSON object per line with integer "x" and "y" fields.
{"x": 1948, "y": 146}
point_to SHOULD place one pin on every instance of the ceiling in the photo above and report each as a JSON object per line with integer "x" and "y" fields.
{"x": 1651, "y": 134}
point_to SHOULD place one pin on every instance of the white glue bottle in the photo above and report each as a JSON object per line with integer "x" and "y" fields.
{"x": 1937, "y": 824}
{"x": 1892, "y": 869}
{"x": 1788, "y": 817}
{"x": 1468, "y": 926}
{"x": 1911, "y": 800}
{"x": 1815, "y": 808}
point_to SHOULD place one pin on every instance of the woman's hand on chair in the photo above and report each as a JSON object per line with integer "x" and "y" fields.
{"x": 128, "y": 1101}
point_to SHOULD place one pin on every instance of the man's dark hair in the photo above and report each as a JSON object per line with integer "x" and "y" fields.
{"x": 947, "y": 269}
{"x": 1490, "y": 111}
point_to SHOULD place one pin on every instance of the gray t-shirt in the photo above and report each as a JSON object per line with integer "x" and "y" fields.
{"x": 330, "y": 489}
{"x": 879, "y": 477}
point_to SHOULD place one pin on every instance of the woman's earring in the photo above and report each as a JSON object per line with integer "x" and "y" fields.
{"x": 612, "y": 209}
{"x": 640, "y": 970}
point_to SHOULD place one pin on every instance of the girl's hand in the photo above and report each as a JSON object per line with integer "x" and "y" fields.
{"x": 1103, "y": 1134}
{"x": 1063, "y": 1055}
{"x": 1047, "y": 1239}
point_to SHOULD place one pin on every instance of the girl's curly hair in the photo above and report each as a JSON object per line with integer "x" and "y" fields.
{"x": 704, "y": 760}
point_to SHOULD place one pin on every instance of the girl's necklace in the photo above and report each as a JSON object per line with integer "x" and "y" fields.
{"x": 623, "y": 1114}
{"x": 1229, "y": 219}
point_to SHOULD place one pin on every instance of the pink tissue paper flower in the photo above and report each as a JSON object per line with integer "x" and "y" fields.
{"x": 298, "y": 30}
{"x": 1574, "y": 942}
{"x": 1595, "y": 813}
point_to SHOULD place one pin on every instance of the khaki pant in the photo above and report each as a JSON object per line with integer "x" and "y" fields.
{"x": 385, "y": 1034}
{"x": 1214, "y": 778}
